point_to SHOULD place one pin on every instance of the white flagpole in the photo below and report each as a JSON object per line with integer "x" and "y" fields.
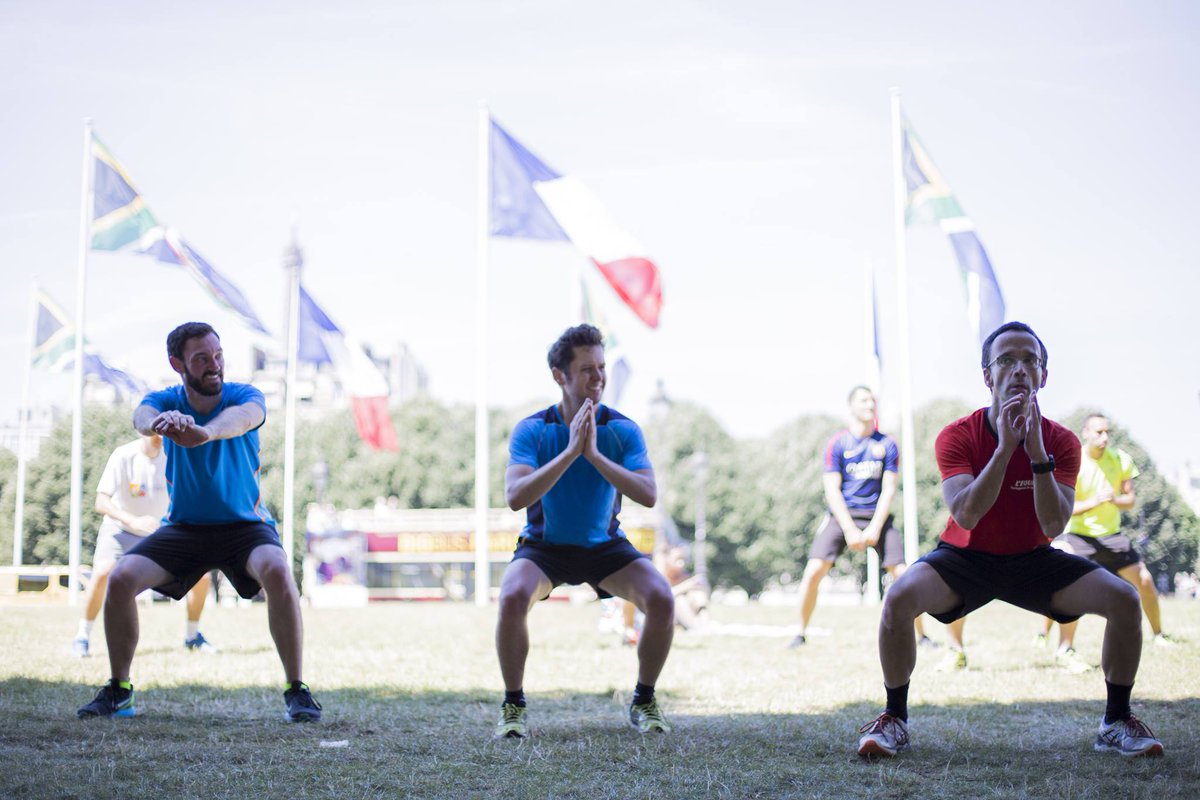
{"x": 292, "y": 261}
{"x": 871, "y": 595}
{"x": 908, "y": 464}
{"x": 75, "y": 539}
{"x": 23, "y": 433}
{"x": 483, "y": 582}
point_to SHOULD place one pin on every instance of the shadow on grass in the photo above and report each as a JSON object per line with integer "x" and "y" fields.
{"x": 194, "y": 739}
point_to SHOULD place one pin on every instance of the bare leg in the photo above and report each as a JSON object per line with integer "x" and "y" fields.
{"x": 269, "y": 566}
{"x": 896, "y": 571}
{"x": 954, "y": 632}
{"x": 93, "y": 599}
{"x": 1101, "y": 592}
{"x": 1140, "y": 577}
{"x": 919, "y": 590}
{"x": 197, "y": 596}
{"x": 524, "y": 584}
{"x": 643, "y": 585}
{"x": 132, "y": 575}
{"x": 1066, "y": 635}
{"x": 814, "y": 572}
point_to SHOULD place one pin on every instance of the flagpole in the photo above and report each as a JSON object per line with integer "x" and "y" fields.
{"x": 75, "y": 537}
{"x": 292, "y": 261}
{"x": 871, "y": 595}
{"x": 483, "y": 583}
{"x": 23, "y": 434}
{"x": 908, "y": 465}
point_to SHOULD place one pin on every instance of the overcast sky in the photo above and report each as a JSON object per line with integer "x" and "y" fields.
{"x": 746, "y": 145}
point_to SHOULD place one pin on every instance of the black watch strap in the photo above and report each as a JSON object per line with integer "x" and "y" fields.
{"x": 1041, "y": 468}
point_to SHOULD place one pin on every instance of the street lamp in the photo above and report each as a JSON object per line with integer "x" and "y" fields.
{"x": 320, "y": 479}
{"x": 700, "y": 469}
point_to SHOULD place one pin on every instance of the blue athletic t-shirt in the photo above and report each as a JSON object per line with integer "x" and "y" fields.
{"x": 581, "y": 508}
{"x": 216, "y": 482}
{"x": 862, "y": 463}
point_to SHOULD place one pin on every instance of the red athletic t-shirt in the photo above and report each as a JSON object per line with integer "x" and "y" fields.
{"x": 1010, "y": 526}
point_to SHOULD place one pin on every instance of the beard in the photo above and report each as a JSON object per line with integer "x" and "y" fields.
{"x": 197, "y": 384}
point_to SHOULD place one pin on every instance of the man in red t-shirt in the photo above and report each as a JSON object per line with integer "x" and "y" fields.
{"x": 1008, "y": 478}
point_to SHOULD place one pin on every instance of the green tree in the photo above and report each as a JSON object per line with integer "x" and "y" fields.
{"x": 48, "y": 490}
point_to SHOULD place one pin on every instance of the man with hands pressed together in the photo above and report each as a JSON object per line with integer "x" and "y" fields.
{"x": 1008, "y": 478}
{"x": 215, "y": 519}
{"x": 860, "y": 483}
{"x": 571, "y": 477}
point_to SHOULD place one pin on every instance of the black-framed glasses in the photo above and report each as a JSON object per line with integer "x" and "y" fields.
{"x": 1008, "y": 362}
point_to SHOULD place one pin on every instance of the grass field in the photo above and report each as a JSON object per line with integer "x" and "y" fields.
{"x": 414, "y": 690}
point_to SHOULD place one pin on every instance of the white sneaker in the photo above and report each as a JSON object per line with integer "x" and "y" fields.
{"x": 1129, "y": 737}
{"x": 1071, "y": 662}
{"x": 886, "y": 735}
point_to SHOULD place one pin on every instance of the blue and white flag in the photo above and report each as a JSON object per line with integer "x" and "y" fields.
{"x": 929, "y": 199}
{"x": 54, "y": 349}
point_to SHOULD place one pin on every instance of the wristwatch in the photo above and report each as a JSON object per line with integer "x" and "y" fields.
{"x": 1042, "y": 467}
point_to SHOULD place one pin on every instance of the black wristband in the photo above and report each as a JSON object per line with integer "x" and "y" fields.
{"x": 1043, "y": 467}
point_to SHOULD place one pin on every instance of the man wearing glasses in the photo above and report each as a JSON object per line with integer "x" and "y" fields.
{"x": 1008, "y": 478}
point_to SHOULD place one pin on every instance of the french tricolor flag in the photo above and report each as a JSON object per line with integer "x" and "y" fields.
{"x": 323, "y": 342}
{"x": 529, "y": 200}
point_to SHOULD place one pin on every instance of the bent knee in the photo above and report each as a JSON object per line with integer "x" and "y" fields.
{"x": 123, "y": 582}
{"x": 659, "y": 602}
{"x": 515, "y": 600}
{"x": 275, "y": 576}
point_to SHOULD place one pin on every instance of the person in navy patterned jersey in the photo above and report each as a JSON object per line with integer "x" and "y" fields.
{"x": 215, "y": 520}
{"x": 569, "y": 466}
{"x": 860, "y": 482}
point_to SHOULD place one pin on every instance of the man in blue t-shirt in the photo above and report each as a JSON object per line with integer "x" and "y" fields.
{"x": 860, "y": 482}
{"x": 569, "y": 466}
{"x": 215, "y": 519}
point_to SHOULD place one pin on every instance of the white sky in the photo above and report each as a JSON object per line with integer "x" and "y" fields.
{"x": 747, "y": 145}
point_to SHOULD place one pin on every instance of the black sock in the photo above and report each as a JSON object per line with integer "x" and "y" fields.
{"x": 516, "y": 698}
{"x": 1118, "y": 703}
{"x": 642, "y": 694}
{"x": 897, "y": 702}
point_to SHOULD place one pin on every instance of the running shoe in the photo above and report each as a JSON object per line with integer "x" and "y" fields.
{"x": 927, "y": 643}
{"x": 797, "y": 642}
{"x": 1071, "y": 662}
{"x": 648, "y": 718}
{"x": 1041, "y": 640}
{"x": 955, "y": 660}
{"x": 885, "y": 735}
{"x": 301, "y": 705}
{"x": 200, "y": 645}
{"x": 79, "y": 647}
{"x": 1165, "y": 640}
{"x": 1129, "y": 737}
{"x": 512, "y": 723}
{"x": 113, "y": 700}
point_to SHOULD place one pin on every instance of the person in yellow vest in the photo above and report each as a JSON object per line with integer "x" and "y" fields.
{"x": 1103, "y": 490}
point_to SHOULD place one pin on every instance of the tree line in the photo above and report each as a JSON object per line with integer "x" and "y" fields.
{"x": 763, "y": 496}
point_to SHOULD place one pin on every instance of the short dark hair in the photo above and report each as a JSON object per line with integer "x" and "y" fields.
{"x": 862, "y": 387}
{"x": 177, "y": 338}
{"x": 1005, "y": 328}
{"x": 563, "y": 350}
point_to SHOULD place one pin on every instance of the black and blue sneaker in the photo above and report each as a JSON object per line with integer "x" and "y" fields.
{"x": 301, "y": 705}
{"x": 115, "y": 699}
{"x": 199, "y": 644}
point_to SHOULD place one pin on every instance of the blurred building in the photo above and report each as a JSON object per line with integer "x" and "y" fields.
{"x": 1187, "y": 480}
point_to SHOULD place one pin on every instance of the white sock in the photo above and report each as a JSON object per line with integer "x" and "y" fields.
{"x": 85, "y": 629}
{"x": 193, "y": 628}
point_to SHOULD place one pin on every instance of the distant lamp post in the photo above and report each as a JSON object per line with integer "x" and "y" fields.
{"x": 320, "y": 479}
{"x": 700, "y": 469}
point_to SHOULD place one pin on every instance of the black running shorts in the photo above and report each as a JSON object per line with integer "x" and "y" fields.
{"x": 1113, "y": 552}
{"x": 189, "y": 551}
{"x": 574, "y": 565}
{"x": 1026, "y": 580}
{"x": 830, "y": 542}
